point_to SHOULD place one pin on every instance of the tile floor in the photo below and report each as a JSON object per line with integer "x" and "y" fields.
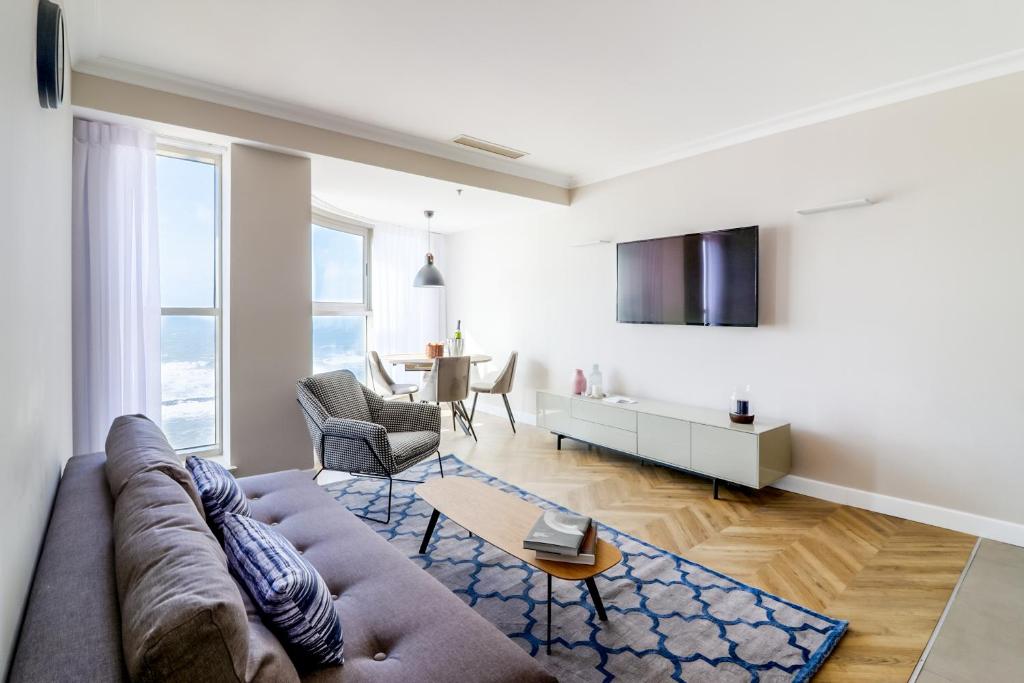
{"x": 982, "y": 636}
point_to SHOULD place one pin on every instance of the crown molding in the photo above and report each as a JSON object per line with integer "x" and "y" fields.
{"x": 965, "y": 74}
{"x": 947, "y": 79}
{"x": 117, "y": 70}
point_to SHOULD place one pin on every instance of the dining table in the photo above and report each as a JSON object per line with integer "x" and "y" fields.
{"x": 420, "y": 362}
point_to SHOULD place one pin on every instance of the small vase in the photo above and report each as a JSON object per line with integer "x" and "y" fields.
{"x": 579, "y": 383}
{"x": 596, "y": 383}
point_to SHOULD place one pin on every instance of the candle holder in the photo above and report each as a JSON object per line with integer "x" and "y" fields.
{"x": 740, "y": 408}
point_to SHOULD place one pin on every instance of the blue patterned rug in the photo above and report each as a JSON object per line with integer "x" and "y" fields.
{"x": 668, "y": 618}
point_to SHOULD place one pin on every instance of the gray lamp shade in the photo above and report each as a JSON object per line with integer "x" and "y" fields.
{"x": 429, "y": 275}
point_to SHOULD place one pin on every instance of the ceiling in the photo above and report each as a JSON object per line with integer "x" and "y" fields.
{"x": 381, "y": 195}
{"x": 590, "y": 88}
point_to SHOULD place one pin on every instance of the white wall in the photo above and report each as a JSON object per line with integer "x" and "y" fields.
{"x": 890, "y": 336}
{"x": 35, "y": 297}
{"x": 269, "y": 304}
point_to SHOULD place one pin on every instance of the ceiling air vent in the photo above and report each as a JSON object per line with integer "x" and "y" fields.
{"x": 489, "y": 147}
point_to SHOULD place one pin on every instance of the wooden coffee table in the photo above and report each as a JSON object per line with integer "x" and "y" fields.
{"x": 503, "y": 520}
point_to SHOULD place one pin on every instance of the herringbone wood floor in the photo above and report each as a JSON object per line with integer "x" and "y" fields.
{"x": 890, "y": 578}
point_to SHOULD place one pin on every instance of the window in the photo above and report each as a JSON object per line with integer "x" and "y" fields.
{"x": 341, "y": 292}
{"x": 189, "y": 214}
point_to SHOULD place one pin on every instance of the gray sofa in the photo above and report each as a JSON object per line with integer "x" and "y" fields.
{"x": 399, "y": 623}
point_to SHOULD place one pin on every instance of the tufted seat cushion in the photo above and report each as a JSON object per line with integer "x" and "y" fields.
{"x": 400, "y": 623}
{"x": 410, "y": 446}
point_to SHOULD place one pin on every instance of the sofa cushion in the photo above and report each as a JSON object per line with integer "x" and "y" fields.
{"x": 182, "y": 614}
{"x": 219, "y": 491}
{"x": 287, "y": 590}
{"x": 135, "y": 445}
{"x": 401, "y": 624}
{"x": 341, "y": 394}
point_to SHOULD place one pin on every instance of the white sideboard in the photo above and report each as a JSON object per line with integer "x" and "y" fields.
{"x": 696, "y": 439}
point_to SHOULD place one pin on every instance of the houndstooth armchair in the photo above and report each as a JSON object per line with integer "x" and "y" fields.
{"x": 354, "y": 430}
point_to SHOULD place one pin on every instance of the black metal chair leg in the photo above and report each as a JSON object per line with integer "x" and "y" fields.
{"x": 508, "y": 409}
{"x": 318, "y": 473}
{"x": 440, "y": 465}
{"x": 453, "y": 415}
{"x": 410, "y": 399}
{"x": 465, "y": 414}
{"x": 387, "y": 520}
{"x": 472, "y": 413}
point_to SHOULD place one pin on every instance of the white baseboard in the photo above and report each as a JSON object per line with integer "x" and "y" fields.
{"x": 499, "y": 410}
{"x": 926, "y": 513}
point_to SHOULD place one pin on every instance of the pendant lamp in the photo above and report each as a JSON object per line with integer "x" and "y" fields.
{"x": 428, "y": 275}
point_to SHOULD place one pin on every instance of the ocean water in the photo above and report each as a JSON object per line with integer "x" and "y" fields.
{"x": 188, "y": 370}
{"x": 188, "y": 379}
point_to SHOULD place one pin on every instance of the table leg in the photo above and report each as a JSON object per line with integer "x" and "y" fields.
{"x": 596, "y": 597}
{"x": 430, "y": 531}
{"x": 549, "y": 613}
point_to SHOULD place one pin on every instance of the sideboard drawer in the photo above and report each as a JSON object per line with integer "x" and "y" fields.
{"x": 725, "y": 454}
{"x": 663, "y": 439}
{"x": 603, "y": 414}
{"x": 609, "y": 437}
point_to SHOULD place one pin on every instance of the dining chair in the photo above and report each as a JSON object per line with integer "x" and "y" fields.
{"x": 448, "y": 382}
{"x": 382, "y": 381}
{"x": 501, "y": 384}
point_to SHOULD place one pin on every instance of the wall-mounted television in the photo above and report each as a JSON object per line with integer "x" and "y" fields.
{"x": 705, "y": 278}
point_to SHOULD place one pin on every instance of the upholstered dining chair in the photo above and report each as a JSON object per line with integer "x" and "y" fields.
{"x": 356, "y": 431}
{"x": 448, "y": 382}
{"x": 500, "y": 384}
{"x": 382, "y": 381}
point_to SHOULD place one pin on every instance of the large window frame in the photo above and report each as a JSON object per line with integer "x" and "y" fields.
{"x": 217, "y": 310}
{"x": 362, "y": 309}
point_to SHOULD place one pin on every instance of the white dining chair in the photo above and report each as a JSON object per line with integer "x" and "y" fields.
{"x": 500, "y": 384}
{"x": 382, "y": 381}
{"x": 448, "y": 382}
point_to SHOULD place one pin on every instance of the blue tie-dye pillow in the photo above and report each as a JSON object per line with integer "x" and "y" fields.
{"x": 290, "y": 594}
{"x": 219, "y": 491}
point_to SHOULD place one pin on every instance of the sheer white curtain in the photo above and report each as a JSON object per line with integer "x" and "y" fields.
{"x": 404, "y": 318}
{"x": 115, "y": 278}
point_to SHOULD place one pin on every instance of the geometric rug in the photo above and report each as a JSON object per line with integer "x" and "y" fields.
{"x": 669, "y": 619}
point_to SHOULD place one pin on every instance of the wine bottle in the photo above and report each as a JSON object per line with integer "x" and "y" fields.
{"x": 458, "y": 329}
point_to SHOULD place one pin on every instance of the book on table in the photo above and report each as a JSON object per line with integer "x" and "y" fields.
{"x": 557, "y": 532}
{"x": 587, "y": 553}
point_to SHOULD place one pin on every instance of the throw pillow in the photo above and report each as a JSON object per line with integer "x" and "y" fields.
{"x": 218, "y": 490}
{"x": 290, "y": 594}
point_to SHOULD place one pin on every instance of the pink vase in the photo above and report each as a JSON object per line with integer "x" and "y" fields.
{"x": 579, "y": 383}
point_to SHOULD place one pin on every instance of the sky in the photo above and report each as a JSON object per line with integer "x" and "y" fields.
{"x": 186, "y": 207}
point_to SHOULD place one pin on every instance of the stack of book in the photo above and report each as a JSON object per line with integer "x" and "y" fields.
{"x": 563, "y": 537}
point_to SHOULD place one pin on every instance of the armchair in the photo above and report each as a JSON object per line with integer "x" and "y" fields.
{"x": 356, "y": 431}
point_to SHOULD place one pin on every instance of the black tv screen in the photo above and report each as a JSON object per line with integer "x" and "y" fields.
{"x": 706, "y": 278}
